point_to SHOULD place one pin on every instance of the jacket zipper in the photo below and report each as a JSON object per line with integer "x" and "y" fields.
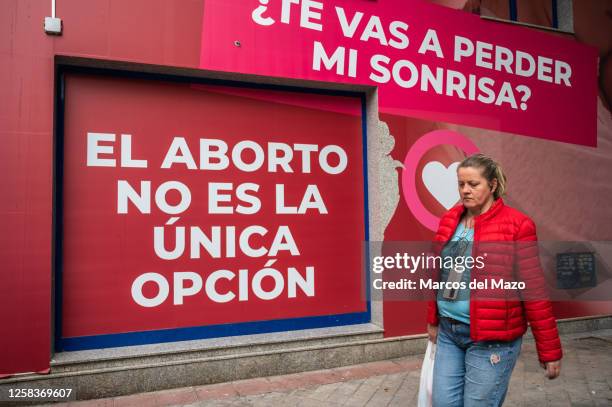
{"x": 472, "y": 303}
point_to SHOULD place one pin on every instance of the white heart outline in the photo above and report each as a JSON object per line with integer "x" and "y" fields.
{"x": 441, "y": 182}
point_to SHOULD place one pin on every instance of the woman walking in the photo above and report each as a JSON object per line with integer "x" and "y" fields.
{"x": 479, "y": 338}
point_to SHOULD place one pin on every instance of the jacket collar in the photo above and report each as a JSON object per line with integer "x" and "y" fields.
{"x": 495, "y": 208}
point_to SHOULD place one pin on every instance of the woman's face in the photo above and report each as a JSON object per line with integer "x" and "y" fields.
{"x": 474, "y": 189}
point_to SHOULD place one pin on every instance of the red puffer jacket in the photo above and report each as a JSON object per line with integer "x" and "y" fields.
{"x": 506, "y": 319}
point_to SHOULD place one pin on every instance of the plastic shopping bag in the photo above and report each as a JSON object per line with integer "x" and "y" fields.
{"x": 427, "y": 376}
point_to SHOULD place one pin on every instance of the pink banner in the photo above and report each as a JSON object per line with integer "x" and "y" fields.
{"x": 428, "y": 61}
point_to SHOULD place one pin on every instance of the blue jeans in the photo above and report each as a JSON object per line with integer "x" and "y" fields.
{"x": 468, "y": 373}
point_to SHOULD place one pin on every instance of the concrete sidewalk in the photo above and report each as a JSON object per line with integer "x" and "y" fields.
{"x": 586, "y": 380}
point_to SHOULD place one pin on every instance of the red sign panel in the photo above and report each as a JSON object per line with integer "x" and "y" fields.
{"x": 428, "y": 61}
{"x": 198, "y": 205}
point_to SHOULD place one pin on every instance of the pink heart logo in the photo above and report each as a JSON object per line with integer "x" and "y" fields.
{"x": 414, "y": 155}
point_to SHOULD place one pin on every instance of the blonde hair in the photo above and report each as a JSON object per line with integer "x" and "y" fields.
{"x": 490, "y": 170}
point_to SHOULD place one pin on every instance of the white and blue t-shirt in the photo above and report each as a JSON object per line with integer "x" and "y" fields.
{"x": 459, "y": 245}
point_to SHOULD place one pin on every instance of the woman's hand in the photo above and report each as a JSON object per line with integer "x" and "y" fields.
{"x": 432, "y": 331}
{"x": 553, "y": 369}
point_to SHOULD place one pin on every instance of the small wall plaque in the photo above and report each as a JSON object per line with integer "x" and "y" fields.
{"x": 576, "y": 270}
